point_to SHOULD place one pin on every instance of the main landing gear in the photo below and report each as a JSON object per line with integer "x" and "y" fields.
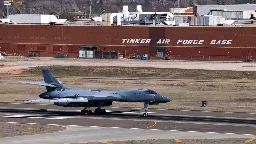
{"x": 145, "y": 109}
{"x": 99, "y": 111}
{"x": 96, "y": 111}
{"x": 85, "y": 111}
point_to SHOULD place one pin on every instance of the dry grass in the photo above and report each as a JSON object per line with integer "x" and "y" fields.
{"x": 223, "y": 94}
{"x": 10, "y": 130}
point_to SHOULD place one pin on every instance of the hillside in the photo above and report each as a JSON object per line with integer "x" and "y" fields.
{"x": 67, "y": 8}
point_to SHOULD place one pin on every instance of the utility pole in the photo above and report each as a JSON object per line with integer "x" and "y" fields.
{"x": 2, "y": 7}
{"x": 7, "y": 10}
{"x": 178, "y": 3}
{"x": 90, "y": 9}
{"x": 155, "y": 16}
{"x": 6, "y": 4}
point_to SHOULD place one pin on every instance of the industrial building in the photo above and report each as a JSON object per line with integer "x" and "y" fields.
{"x": 210, "y": 15}
{"x": 178, "y": 34}
{"x": 138, "y": 18}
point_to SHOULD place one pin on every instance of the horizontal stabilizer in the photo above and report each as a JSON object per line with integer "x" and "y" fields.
{"x": 39, "y": 83}
{"x": 54, "y": 100}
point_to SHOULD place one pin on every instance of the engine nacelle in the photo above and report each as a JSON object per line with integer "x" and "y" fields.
{"x": 84, "y": 104}
{"x": 61, "y": 103}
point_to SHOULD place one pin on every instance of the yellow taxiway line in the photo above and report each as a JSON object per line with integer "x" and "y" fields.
{"x": 250, "y": 140}
{"x": 178, "y": 140}
{"x": 152, "y": 125}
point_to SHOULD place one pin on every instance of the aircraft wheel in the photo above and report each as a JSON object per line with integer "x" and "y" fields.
{"x": 83, "y": 112}
{"x": 89, "y": 112}
{"x": 97, "y": 111}
{"x": 100, "y": 111}
{"x": 103, "y": 111}
{"x": 145, "y": 114}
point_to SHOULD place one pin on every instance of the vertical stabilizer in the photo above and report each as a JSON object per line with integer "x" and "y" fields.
{"x": 50, "y": 79}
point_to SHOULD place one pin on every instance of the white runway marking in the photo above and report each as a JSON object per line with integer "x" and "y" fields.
{"x": 229, "y": 133}
{"x": 134, "y": 128}
{"x": 12, "y": 122}
{"x": 115, "y": 127}
{"x": 42, "y": 104}
{"x": 154, "y": 129}
{"x": 247, "y": 134}
{"x": 185, "y": 110}
{"x": 53, "y": 124}
{"x": 28, "y": 109}
{"x": 11, "y": 116}
{"x": 31, "y": 123}
{"x": 36, "y": 117}
{"x": 15, "y": 103}
{"x": 219, "y": 124}
{"x": 191, "y": 131}
{"x": 94, "y": 126}
{"x": 59, "y": 117}
{"x": 173, "y": 130}
{"x": 211, "y": 132}
{"x": 73, "y": 125}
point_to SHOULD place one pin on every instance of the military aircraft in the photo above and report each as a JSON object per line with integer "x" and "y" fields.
{"x": 64, "y": 96}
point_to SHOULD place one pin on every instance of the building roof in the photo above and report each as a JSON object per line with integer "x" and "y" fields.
{"x": 205, "y": 9}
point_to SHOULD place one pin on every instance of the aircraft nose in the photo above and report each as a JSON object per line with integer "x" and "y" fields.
{"x": 167, "y": 99}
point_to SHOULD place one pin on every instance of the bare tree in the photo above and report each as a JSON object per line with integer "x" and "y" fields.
{"x": 70, "y": 7}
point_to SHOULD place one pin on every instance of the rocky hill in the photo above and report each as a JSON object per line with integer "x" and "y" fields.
{"x": 66, "y": 8}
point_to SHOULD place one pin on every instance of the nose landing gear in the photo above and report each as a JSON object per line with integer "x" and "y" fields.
{"x": 145, "y": 109}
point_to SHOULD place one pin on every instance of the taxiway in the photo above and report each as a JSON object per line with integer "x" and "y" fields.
{"x": 127, "y": 124}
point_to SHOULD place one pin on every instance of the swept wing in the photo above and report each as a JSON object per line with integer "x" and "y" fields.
{"x": 55, "y": 100}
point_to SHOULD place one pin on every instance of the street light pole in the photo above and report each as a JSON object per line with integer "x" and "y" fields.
{"x": 90, "y": 8}
{"x": 2, "y": 7}
{"x": 155, "y": 15}
{"x": 7, "y": 10}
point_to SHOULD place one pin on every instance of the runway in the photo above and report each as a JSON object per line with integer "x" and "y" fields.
{"x": 126, "y": 123}
{"x": 76, "y": 134}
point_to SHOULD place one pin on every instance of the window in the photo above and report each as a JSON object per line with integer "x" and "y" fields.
{"x": 150, "y": 92}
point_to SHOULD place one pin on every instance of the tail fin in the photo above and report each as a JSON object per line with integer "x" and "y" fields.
{"x": 50, "y": 79}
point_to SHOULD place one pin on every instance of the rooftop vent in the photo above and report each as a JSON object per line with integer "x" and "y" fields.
{"x": 139, "y": 8}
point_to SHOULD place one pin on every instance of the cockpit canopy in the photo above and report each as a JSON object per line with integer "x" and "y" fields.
{"x": 148, "y": 91}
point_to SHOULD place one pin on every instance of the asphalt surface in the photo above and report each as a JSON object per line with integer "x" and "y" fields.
{"x": 99, "y": 134}
{"x": 128, "y": 124}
